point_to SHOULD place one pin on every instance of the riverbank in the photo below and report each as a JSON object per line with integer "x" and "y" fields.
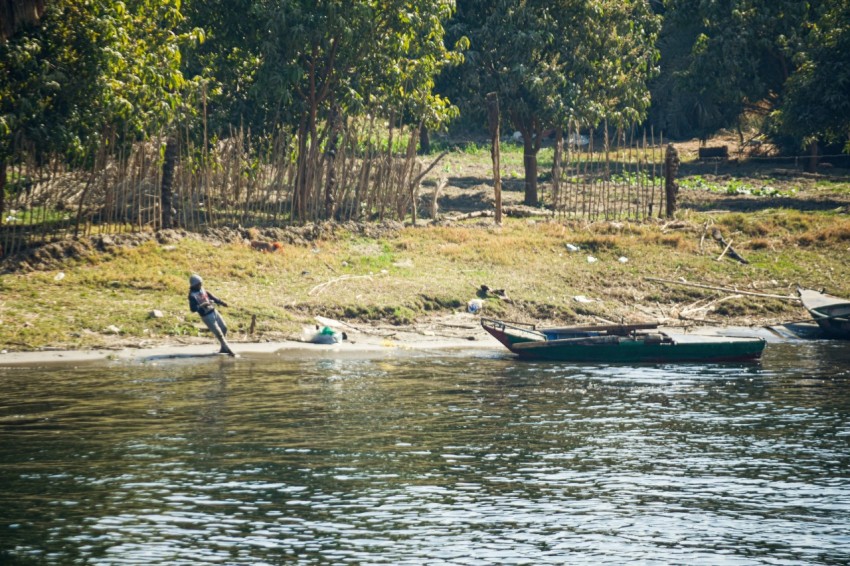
{"x": 456, "y": 332}
{"x": 118, "y": 292}
{"x": 467, "y": 335}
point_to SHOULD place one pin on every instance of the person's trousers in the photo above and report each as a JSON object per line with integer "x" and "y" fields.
{"x": 217, "y": 326}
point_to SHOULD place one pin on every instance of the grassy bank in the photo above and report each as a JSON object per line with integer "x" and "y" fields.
{"x": 102, "y": 293}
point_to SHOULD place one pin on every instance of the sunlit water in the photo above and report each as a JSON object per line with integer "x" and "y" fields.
{"x": 451, "y": 458}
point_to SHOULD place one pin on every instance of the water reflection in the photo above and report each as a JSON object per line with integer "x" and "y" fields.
{"x": 470, "y": 458}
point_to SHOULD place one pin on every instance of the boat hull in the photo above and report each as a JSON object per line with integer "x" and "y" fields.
{"x": 637, "y": 351}
{"x": 832, "y": 314}
{"x": 587, "y": 346}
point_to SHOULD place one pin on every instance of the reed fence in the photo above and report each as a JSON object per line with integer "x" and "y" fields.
{"x": 357, "y": 175}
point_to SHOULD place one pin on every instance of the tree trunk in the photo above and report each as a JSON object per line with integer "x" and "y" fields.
{"x": 2, "y": 189}
{"x": 530, "y": 161}
{"x": 166, "y": 189}
{"x": 556, "y": 167}
{"x": 671, "y": 170}
{"x": 330, "y": 156}
{"x": 15, "y": 14}
{"x": 424, "y": 141}
{"x": 494, "y": 117}
{"x": 299, "y": 194}
{"x": 812, "y": 166}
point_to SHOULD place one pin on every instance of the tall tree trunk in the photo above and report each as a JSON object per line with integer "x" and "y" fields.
{"x": 424, "y": 141}
{"x": 530, "y": 161}
{"x": 812, "y": 165}
{"x": 494, "y": 118}
{"x": 330, "y": 156}
{"x": 2, "y": 189}
{"x": 299, "y": 195}
{"x": 166, "y": 189}
{"x": 556, "y": 167}
{"x": 671, "y": 170}
{"x": 15, "y": 14}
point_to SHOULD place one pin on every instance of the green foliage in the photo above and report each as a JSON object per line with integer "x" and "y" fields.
{"x": 90, "y": 69}
{"x": 284, "y": 63}
{"x": 547, "y": 72}
{"x": 737, "y": 56}
{"x": 817, "y": 102}
{"x": 784, "y": 61}
{"x": 733, "y": 187}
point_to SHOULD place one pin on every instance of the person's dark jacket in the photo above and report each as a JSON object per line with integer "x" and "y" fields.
{"x": 203, "y": 302}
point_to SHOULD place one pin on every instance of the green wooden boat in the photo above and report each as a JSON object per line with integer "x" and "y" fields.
{"x": 621, "y": 343}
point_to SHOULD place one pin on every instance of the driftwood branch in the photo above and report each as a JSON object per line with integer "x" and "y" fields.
{"x": 435, "y": 200}
{"x": 724, "y": 289}
{"x": 726, "y": 249}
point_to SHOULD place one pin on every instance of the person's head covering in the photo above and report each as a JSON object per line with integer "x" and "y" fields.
{"x": 195, "y": 280}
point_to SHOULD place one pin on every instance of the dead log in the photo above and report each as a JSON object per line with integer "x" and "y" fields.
{"x": 468, "y": 215}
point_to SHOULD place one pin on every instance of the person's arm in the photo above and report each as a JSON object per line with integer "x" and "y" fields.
{"x": 193, "y": 304}
{"x": 216, "y": 300}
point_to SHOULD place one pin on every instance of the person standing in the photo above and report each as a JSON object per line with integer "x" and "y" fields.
{"x": 203, "y": 302}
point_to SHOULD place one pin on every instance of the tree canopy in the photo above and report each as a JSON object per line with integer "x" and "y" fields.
{"x": 88, "y": 68}
{"x": 780, "y": 61}
{"x": 557, "y": 62}
{"x": 817, "y": 98}
{"x": 74, "y": 75}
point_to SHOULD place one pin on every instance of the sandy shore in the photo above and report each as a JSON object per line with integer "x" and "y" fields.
{"x": 461, "y": 331}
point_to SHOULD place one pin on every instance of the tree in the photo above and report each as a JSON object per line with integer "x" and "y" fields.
{"x": 306, "y": 66}
{"x": 817, "y": 101}
{"x": 91, "y": 71}
{"x": 726, "y": 59}
{"x": 556, "y": 62}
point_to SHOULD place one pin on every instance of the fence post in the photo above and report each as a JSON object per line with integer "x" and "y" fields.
{"x": 671, "y": 169}
{"x": 493, "y": 115}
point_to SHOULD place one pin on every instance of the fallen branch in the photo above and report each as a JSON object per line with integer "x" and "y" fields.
{"x": 725, "y": 289}
{"x": 333, "y": 322}
{"x": 524, "y": 211}
{"x": 322, "y": 286}
{"x": 692, "y": 310}
{"x": 461, "y": 326}
{"x": 468, "y": 215}
{"x": 427, "y": 170}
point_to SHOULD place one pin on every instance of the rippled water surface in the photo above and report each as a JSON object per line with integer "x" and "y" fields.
{"x": 452, "y": 458}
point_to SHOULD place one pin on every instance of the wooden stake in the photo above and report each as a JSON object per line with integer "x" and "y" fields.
{"x": 726, "y": 249}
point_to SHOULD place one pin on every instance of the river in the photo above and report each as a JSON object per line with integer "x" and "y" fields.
{"x": 460, "y": 457}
